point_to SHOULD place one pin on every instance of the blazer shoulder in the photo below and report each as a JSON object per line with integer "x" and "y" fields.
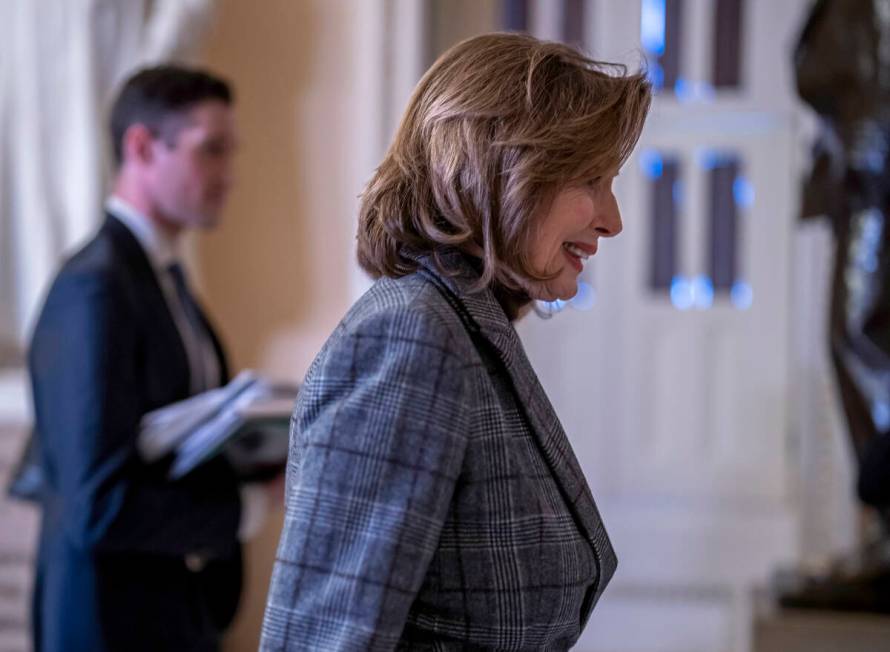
{"x": 97, "y": 269}
{"x": 410, "y": 306}
{"x": 100, "y": 255}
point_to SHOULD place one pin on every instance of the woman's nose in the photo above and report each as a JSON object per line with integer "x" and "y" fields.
{"x": 608, "y": 220}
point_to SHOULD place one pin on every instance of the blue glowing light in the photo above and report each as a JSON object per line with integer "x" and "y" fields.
{"x": 682, "y": 294}
{"x": 652, "y": 18}
{"x": 871, "y": 228}
{"x": 705, "y": 92}
{"x": 677, "y": 193}
{"x": 874, "y": 159}
{"x": 683, "y": 90}
{"x": 656, "y": 75}
{"x": 585, "y": 298}
{"x": 652, "y": 163}
{"x": 549, "y": 308}
{"x": 743, "y": 192}
{"x": 741, "y": 295}
{"x": 880, "y": 414}
{"x": 687, "y": 91}
{"x": 703, "y": 292}
{"x": 708, "y": 159}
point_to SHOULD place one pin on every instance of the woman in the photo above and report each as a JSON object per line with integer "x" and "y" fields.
{"x": 433, "y": 500}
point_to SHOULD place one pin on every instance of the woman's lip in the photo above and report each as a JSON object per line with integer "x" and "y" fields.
{"x": 583, "y": 246}
{"x": 574, "y": 260}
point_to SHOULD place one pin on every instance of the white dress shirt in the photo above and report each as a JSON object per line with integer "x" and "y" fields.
{"x": 162, "y": 252}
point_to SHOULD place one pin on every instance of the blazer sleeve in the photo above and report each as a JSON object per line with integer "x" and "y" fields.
{"x": 87, "y": 397}
{"x": 377, "y": 444}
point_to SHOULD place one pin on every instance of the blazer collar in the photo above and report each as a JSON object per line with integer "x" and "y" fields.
{"x": 151, "y": 296}
{"x": 494, "y": 326}
{"x": 161, "y": 249}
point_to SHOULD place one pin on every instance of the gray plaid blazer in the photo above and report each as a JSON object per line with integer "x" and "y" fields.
{"x": 433, "y": 500}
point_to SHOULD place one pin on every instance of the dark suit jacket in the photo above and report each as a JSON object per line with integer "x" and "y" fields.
{"x": 433, "y": 499}
{"x": 116, "y": 534}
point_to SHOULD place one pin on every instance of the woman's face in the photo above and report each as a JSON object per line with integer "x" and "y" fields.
{"x": 568, "y": 234}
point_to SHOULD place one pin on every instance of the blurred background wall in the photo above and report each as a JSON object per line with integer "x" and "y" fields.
{"x": 277, "y": 274}
{"x": 695, "y": 392}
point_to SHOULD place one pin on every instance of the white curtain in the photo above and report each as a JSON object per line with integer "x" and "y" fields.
{"x": 60, "y": 64}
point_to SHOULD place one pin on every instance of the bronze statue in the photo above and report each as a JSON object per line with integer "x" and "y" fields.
{"x": 842, "y": 63}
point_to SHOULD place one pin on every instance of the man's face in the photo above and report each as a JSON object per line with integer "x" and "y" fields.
{"x": 190, "y": 172}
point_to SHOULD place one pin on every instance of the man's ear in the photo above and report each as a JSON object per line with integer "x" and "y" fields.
{"x": 137, "y": 144}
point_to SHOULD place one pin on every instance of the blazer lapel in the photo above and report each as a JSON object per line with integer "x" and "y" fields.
{"x": 218, "y": 349}
{"x": 553, "y": 443}
{"x": 151, "y": 297}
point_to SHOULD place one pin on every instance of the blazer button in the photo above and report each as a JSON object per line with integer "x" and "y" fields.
{"x": 195, "y": 562}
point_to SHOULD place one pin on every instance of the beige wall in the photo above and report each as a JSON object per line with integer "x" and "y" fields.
{"x": 276, "y": 274}
{"x": 279, "y": 273}
{"x": 452, "y": 21}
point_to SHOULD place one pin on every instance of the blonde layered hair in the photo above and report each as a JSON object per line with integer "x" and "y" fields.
{"x": 495, "y": 129}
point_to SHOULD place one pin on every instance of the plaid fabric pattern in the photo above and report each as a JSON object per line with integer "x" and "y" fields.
{"x": 425, "y": 508}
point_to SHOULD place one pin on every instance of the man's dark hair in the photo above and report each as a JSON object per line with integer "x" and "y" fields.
{"x": 155, "y": 97}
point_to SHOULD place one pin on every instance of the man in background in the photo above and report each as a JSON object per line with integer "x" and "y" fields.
{"x": 128, "y": 559}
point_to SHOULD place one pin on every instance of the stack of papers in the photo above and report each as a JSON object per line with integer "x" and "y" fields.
{"x": 247, "y": 421}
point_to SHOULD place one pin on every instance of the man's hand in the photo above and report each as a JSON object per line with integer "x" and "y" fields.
{"x": 257, "y": 500}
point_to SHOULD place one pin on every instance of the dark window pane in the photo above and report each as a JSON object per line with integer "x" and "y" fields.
{"x": 664, "y": 174}
{"x": 573, "y": 27}
{"x": 515, "y": 15}
{"x": 727, "y": 43}
{"x": 673, "y": 38}
{"x": 724, "y": 183}
{"x": 661, "y": 35}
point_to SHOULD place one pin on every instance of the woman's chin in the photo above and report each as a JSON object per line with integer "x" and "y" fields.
{"x": 553, "y": 293}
